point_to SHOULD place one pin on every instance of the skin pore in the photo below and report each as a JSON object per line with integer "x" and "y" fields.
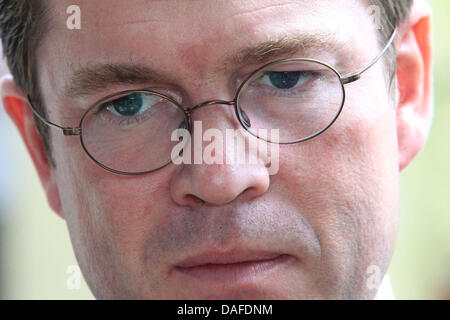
{"x": 331, "y": 211}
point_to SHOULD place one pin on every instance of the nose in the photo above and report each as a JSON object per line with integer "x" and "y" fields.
{"x": 200, "y": 182}
{"x": 218, "y": 184}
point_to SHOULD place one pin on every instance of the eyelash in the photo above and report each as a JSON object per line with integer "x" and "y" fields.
{"x": 112, "y": 118}
{"x": 314, "y": 75}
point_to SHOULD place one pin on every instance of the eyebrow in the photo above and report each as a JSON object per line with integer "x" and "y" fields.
{"x": 285, "y": 46}
{"x": 89, "y": 79}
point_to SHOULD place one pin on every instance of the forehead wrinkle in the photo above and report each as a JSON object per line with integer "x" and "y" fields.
{"x": 252, "y": 11}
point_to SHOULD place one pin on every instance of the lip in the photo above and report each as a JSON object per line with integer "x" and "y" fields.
{"x": 232, "y": 267}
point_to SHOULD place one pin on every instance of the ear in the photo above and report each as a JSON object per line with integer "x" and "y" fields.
{"x": 414, "y": 76}
{"x": 18, "y": 109}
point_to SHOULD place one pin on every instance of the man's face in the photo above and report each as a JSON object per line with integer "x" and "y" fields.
{"x": 309, "y": 231}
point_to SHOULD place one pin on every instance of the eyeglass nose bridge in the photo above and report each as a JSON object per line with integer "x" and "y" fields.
{"x": 189, "y": 112}
{"x": 210, "y": 102}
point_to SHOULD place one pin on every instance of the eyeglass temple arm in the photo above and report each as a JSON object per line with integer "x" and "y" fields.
{"x": 67, "y": 131}
{"x": 357, "y": 75}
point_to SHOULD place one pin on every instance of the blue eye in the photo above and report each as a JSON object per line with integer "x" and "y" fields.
{"x": 129, "y": 105}
{"x": 284, "y": 80}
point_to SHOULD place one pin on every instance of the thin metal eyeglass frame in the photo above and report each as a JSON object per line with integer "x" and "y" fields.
{"x": 346, "y": 79}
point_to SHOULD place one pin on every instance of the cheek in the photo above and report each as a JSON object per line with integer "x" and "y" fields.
{"x": 120, "y": 209}
{"x": 357, "y": 154}
{"x": 345, "y": 182}
{"x": 130, "y": 205}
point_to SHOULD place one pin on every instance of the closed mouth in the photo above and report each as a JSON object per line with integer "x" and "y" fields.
{"x": 233, "y": 268}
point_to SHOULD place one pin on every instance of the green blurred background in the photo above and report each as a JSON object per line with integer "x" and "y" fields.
{"x": 36, "y": 254}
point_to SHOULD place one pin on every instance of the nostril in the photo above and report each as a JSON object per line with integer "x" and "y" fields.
{"x": 194, "y": 200}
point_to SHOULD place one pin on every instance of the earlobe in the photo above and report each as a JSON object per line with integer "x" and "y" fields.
{"x": 414, "y": 76}
{"x": 16, "y": 105}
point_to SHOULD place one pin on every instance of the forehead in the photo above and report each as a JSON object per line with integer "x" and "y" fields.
{"x": 197, "y": 12}
{"x": 209, "y": 23}
{"x": 197, "y": 34}
{"x": 202, "y": 18}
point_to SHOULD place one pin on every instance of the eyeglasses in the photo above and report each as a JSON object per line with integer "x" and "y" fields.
{"x": 130, "y": 132}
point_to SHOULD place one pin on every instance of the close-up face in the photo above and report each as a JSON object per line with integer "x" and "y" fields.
{"x": 309, "y": 230}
